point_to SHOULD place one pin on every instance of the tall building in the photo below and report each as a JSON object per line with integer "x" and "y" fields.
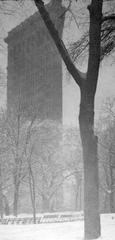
{"x": 35, "y": 67}
{"x": 34, "y": 83}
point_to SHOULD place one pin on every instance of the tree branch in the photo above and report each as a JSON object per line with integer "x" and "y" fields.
{"x": 94, "y": 43}
{"x": 109, "y": 17}
{"x": 76, "y": 74}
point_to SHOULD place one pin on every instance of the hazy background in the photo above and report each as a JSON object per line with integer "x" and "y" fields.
{"x": 71, "y": 95}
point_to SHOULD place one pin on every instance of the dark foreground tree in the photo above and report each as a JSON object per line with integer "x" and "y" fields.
{"x": 87, "y": 84}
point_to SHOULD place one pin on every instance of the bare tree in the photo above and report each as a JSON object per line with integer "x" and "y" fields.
{"x": 5, "y": 174}
{"x": 30, "y": 141}
{"x": 17, "y": 162}
{"x": 17, "y": 130}
{"x": 1, "y": 194}
{"x": 72, "y": 154}
{"x": 46, "y": 163}
{"x": 107, "y": 153}
{"x": 87, "y": 84}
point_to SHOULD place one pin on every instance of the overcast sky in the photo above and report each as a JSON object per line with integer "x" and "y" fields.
{"x": 71, "y": 96}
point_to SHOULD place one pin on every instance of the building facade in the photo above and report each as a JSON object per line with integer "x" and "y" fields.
{"x": 34, "y": 83}
{"x": 34, "y": 66}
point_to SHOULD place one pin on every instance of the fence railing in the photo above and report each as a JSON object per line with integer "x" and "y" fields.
{"x": 44, "y": 218}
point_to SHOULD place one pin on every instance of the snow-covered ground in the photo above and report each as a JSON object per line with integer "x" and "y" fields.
{"x": 56, "y": 231}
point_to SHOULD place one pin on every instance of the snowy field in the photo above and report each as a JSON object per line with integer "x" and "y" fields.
{"x": 56, "y": 231}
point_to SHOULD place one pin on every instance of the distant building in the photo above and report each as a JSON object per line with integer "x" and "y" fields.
{"x": 34, "y": 83}
{"x": 35, "y": 66}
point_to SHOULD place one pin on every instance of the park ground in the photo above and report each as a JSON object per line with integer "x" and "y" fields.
{"x": 56, "y": 231}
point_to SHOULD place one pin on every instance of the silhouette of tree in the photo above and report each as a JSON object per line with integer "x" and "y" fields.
{"x": 87, "y": 84}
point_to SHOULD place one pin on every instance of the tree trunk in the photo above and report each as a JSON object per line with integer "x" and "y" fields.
{"x": 112, "y": 203}
{"x": 32, "y": 193}
{"x": 1, "y": 194}
{"x": 6, "y": 206}
{"x": 16, "y": 196}
{"x": 88, "y": 85}
{"x": 1, "y": 203}
{"x": 91, "y": 185}
{"x": 77, "y": 194}
{"x": 112, "y": 207}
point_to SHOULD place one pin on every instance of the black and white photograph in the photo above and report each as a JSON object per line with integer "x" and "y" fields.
{"x": 57, "y": 119}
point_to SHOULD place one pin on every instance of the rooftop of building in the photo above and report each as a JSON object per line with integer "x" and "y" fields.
{"x": 53, "y": 8}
